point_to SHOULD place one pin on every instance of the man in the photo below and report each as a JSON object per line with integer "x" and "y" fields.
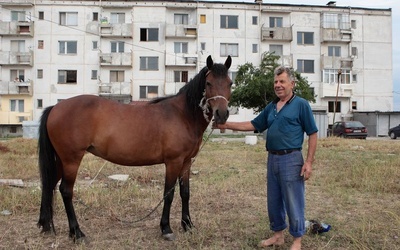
{"x": 287, "y": 119}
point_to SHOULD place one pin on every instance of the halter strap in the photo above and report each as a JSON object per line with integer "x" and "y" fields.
{"x": 204, "y": 105}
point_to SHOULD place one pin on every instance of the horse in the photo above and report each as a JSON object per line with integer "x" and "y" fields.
{"x": 165, "y": 130}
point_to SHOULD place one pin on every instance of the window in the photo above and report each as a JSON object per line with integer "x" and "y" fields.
{"x": 147, "y": 92}
{"x": 331, "y": 107}
{"x": 117, "y": 18}
{"x": 17, "y": 105}
{"x": 255, "y": 48}
{"x": 231, "y": 49}
{"x": 332, "y": 76}
{"x": 305, "y": 66}
{"x": 95, "y": 16}
{"x": 17, "y": 46}
{"x": 275, "y": 22}
{"x": 354, "y": 78}
{"x": 117, "y": 76}
{"x": 354, "y": 105}
{"x": 276, "y": 49}
{"x": 67, "y": 76}
{"x": 254, "y": 20}
{"x": 353, "y": 24}
{"x": 202, "y": 18}
{"x": 229, "y": 22}
{"x": 94, "y": 75}
{"x": 334, "y": 51}
{"x": 149, "y": 34}
{"x": 181, "y": 18}
{"x": 203, "y": 46}
{"x": 67, "y": 47}
{"x": 305, "y": 38}
{"x": 69, "y": 18}
{"x": 41, "y": 15}
{"x": 354, "y": 51}
{"x": 17, "y": 75}
{"x": 40, "y": 44}
{"x": 39, "y": 103}
{"x": 149, "y": 63}
{"x": 95, "y": 45}
{"x": 180, "y": 76}
{"x": 336, "y": 21}
{"x": 180, "y": 47}
{"x": 117, "y": 47}
{"x": 40, "y": 73}
{"x": 18, "y": 16}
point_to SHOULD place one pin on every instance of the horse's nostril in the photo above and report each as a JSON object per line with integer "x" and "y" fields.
{"x": 217, "y": 112}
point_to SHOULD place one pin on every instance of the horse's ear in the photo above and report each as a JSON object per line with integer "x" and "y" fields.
{"x": 210, "y": 62}
{"x": 228, "y": 62}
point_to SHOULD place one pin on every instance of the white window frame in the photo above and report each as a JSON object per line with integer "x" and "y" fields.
{"x": 67, "y": 47}
{"x": 149, "y": 63}
{"x": 148, "y": 92}
{"x": 181, "y": 47}
{"x": 181, "y": 18}
{"x": 68, "y": 18}
{"x": 231, "y": 49}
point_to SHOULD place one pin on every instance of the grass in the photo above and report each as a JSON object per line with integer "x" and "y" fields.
{"x": 355, "y": 187}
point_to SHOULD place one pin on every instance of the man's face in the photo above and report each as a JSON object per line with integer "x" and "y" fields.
{"x": 283, "y": 86}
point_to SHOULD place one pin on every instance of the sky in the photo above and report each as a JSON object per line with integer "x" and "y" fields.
{"x": 380, "y": 4}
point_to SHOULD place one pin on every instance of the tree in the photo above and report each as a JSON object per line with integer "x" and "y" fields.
{"x": 254, "y": 86}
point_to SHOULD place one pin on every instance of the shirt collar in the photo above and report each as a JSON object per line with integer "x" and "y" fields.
{"x": 289, "y": 101}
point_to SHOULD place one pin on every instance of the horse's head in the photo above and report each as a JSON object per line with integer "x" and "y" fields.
{"x": 218, "y": 89}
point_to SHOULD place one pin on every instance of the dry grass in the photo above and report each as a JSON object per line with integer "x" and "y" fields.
{"x": 355, "y": 188}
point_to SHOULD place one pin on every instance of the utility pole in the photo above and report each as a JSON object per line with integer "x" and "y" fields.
{"x": 337, "y": 93}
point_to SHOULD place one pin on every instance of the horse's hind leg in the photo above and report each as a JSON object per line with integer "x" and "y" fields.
{"x": 67, "y": 191}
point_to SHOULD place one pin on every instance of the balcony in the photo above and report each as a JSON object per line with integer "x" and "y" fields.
{"x": 286, "y": 61}
{"x": 181, "y": 60}
{"x": 283, "y": 34}
{"x": 335, "y": 35}
{"x": 16, "y": 28}
{"x": 12, "y": 58}
{"x": 123, "y": 30}
{"x": 116, "y": 59}
{"x": 115, "y": 88}
{"x": 332, "y": 62}
{"x": 181, "y": 30}
{"x": 331, "y": 89}
{"x": 16, "y": 88}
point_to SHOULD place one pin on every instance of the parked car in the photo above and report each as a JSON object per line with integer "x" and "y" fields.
{"x": 349, "y": 129}
{"x": 394, "y": 132}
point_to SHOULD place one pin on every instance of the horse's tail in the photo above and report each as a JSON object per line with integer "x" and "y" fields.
{"x": 48, "y": 173}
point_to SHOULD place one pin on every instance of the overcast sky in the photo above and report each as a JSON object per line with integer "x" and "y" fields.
{"x": 385, "y": 4}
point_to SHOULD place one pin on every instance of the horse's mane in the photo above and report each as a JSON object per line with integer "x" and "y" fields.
{"x": 194, "y": 89}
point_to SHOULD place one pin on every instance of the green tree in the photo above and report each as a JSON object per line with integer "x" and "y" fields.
{"x": 254, "y": 86}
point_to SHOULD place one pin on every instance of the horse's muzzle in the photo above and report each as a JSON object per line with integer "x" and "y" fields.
{"x": 221, "y": 116}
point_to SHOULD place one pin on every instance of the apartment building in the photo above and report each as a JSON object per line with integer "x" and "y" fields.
{"x": 137, "y": 50}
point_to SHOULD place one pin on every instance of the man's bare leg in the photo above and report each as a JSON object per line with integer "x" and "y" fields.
{"x": 296, "y": 244}
{"x": 276, "y": 240}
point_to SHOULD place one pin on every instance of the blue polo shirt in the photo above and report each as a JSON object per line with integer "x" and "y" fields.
{"x": 286, "y": 128}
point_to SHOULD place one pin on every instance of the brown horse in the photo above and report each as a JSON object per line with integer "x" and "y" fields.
{"x": 166, "y": 130}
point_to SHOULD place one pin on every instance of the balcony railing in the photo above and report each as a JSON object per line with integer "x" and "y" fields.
{"x": 16, "y": 87}
{"x": 331, "y": 89}
{"x": 115, "y": 88}
{"x": 333, "y": 62}
{"x": 12, "y": 58}
{"x": 181, "y": 30}
{"x": 181, "y": 59}
{"x": 116, "y": 30}
{"x": 116, "y": 59}
{"x": 335, "y": 35}
{"x": 16, "y": 28}
{"x": 283, "y": 34}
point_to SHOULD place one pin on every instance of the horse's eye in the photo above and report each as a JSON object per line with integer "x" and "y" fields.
{"x": 231, "y": 84}
{"x": 209, "y": 84}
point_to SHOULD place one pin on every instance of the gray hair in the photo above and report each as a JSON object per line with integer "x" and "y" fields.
{"x": 282, "y": 69}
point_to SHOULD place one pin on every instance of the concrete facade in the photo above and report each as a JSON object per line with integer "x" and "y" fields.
{"x": 136, "y": 50}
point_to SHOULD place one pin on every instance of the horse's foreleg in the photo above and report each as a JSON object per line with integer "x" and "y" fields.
{"x": 185, "y": 195}
{"x": 66, "y": 189}
{"x": 169, "y": 190}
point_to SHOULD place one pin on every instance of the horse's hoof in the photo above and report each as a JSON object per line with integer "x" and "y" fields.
{"x": 169, "y": 237}
{"x": 81, "y": 241}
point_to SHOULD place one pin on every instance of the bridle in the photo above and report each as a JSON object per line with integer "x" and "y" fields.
{"x": 205, "y": 105}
